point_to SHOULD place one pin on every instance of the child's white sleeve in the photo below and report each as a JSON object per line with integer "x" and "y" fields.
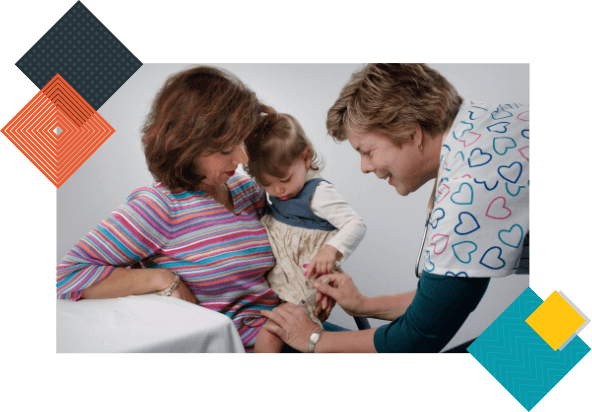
{"x": 328, "y": 204}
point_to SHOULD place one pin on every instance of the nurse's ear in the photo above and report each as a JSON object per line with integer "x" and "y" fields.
{"x": 418, "y": 137}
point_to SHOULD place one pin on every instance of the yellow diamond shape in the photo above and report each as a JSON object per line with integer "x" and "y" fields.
{"x": 555, "y": 320}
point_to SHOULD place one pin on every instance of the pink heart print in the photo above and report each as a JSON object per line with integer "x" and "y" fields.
{"x": 444, "y": 193}
{"x": 470, "y": 137}
{"x": 523, "y": 150}
{"x": 497, "y": 209}
{"x": 445, "y": 243}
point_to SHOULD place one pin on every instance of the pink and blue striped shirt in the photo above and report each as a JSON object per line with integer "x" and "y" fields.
{"x": 222, "y": 257}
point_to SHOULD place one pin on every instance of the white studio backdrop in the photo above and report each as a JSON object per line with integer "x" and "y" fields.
{"x": 384, "y": 262}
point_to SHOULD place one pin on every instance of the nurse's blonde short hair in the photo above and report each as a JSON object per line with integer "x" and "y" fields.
{"x": 394, "y": 98}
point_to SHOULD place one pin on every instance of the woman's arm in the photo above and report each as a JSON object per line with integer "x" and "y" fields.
{"x": 133, "y": 232}
{"x": 125, "y": 282}
{"x": 294, "y": 328}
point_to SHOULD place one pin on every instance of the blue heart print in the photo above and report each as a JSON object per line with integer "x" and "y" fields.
{"x": 476, "y": 160}
{"x": 464, "y": 249}
{"x": 442, "y": 155}
{"x": 464, "y": 195}
{"x": 500, "y": 127}
{"x": 510, "y": 237}
{"x": 526, "y": 134}
{"x": 466, "y": 128}
{"x": 504, "y": 143}
{"x": 437, "y": 215}
{"x": 484, "y": 183}
{"x": 514, "y": 194}
{"x": 500, "y": 113}
{"x": 477, "y": 112}
{"x": 468, "y": 226}
{"x": 430, "y": 262}
{"x": 461, "y": 155}
{"x": 493, "y": 262}
{"x": 511, "y": 105}
{"x": 449, "y": 273}
{"x": 511, "y": 173}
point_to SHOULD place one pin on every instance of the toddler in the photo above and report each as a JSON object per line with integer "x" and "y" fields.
{"x": 312, "y": 230}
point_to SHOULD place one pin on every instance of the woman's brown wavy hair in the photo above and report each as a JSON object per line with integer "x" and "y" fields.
{"x": 393, "y": 98}
{"x": 274, "y": 146}
{"x": 197, "y": 112}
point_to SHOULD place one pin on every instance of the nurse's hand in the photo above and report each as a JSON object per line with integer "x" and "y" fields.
{"x": 324, "y": 306}
{"x": 292, "y": 325}
{"x": 341, "y": 287}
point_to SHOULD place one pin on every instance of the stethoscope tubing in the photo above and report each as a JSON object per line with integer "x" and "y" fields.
{"x": 425, "y": 233}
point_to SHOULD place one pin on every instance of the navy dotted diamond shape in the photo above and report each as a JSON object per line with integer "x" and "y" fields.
{"x": 85, "y": 53}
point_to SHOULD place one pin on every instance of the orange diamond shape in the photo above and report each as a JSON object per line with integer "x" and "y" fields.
{"x": 58, "y": 130}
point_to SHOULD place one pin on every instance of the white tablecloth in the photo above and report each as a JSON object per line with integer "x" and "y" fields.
{"x": 145, "y": 323}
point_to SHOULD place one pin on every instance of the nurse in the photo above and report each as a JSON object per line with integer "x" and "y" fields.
{"x": 411, "y": 127}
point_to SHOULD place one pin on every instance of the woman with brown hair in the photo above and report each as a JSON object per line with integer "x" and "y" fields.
{"x": 410, "y": 126}
{"x": 194, "y": 233}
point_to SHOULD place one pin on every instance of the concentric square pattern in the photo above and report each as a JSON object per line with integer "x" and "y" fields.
{"x": 57, "y": 130}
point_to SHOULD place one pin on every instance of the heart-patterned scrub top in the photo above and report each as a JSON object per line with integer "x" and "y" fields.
{"x": 480, "y": 213}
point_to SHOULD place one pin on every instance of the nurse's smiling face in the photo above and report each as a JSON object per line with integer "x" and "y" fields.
{"x": 405, "y": 166}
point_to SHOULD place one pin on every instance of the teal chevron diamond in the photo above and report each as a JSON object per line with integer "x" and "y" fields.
{"x": 519, "y": 358}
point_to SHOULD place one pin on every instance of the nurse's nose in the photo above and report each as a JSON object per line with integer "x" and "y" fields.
{"x": 365, "y": 166}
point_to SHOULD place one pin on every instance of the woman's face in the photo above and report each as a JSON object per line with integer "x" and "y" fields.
{"x": 218, "y": 167}
{"x": 404, "y": 167}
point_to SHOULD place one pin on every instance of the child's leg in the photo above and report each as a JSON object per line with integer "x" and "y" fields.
{"x": 267, "y": 342}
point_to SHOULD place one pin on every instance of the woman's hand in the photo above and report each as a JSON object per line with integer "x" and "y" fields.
{"x": 182, "y": 291}
{"x": 291, "y": 325}
{"x": 341, "y": 287}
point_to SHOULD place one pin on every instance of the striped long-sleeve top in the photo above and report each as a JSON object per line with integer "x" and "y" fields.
{"x": 222, "y": 257}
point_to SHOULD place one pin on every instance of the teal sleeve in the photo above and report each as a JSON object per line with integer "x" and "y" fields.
{"x": 438, "y": 310}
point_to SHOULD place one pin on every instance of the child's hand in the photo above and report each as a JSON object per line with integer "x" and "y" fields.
{"x": 323, "y": 262}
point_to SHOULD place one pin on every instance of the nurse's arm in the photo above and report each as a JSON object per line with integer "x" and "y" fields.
{"x": 386, "y": 307}
{"x": 341, "y": 287}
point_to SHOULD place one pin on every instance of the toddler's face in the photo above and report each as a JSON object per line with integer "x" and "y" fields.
{"x": 290, "y": 185}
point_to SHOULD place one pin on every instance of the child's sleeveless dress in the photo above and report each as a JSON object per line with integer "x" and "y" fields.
{"x": 296, "y": 235}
